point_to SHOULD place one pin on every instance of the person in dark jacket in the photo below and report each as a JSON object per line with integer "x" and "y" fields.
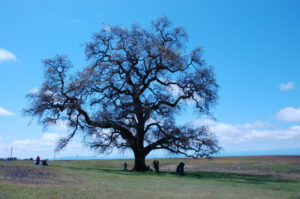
{"x": 155, "y": 164}
{"x": 180, "y": 169}
{"x": 125, "y": 166}
{"x": 44, "y": 162}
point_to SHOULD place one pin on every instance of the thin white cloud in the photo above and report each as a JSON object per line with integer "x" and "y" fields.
{"x": 176, "y": 91}
{"x": 261, "y": 124}
{"x": 4, "y": 150}
{"x": 4, "y": 112}
{"x": 256, "y": 124}
{"x": 242, "y": 133}
{"x": 60, "y": 126}
{"x": 289, "y": 114}
{"x": 47, "y": 139}
{"x": 44, "y": 146}
{"x": 75, "y": 21}
{"x": 107, "y": 28}
{"x": 287, "y": 86}
{"x": 35, "y": 90}
{"x": 5, "y": 55}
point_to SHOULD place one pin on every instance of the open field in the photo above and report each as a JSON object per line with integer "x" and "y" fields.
{"x": 230, "y": 177}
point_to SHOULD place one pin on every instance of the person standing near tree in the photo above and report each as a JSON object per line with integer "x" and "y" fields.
{"x": 157, "y": 166}
{"x": 154, "y": 164}
{"x": 125, "y": 166}
{"x": 181, "y": 168}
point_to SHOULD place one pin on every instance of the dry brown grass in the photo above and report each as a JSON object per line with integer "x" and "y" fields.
{"x": 33, "y": 175}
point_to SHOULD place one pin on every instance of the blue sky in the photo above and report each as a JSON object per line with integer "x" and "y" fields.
{"x": 253, "y": 45}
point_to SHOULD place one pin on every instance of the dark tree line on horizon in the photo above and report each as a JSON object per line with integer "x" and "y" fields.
{"x": 136, "y": 83}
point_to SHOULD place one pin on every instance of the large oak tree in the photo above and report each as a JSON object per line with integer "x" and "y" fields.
{"x": 137, "y": 81}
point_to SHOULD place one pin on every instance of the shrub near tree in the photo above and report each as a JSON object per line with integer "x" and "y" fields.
{"x": 136, "y": 83}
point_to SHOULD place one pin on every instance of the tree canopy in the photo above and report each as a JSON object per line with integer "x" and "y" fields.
{"x": 136, "y": 83}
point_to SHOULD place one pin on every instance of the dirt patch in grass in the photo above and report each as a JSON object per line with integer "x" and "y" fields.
{"x": 30, "y": 175}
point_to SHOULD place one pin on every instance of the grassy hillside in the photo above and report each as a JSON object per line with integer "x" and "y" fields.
{"x": 238, "y": 177}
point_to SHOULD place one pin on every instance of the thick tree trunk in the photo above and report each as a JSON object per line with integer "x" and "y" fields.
{"x": 139, "y": 162}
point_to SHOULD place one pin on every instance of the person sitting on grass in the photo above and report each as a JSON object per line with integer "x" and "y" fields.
{"x": 149, "y": 168}
{"x": 44, "y": 162}
{"x": 37, "y": 160}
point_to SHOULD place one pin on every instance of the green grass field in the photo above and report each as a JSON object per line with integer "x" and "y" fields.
{"x": 232, "y": 177}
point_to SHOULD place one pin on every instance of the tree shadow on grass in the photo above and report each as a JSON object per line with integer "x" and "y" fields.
{"x": 217, "y": 176}
{"x": 238, "y": 178}
{"x": 116, "y": 171}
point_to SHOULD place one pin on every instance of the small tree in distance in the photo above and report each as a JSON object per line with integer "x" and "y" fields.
{"x": 137, "y": 82}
